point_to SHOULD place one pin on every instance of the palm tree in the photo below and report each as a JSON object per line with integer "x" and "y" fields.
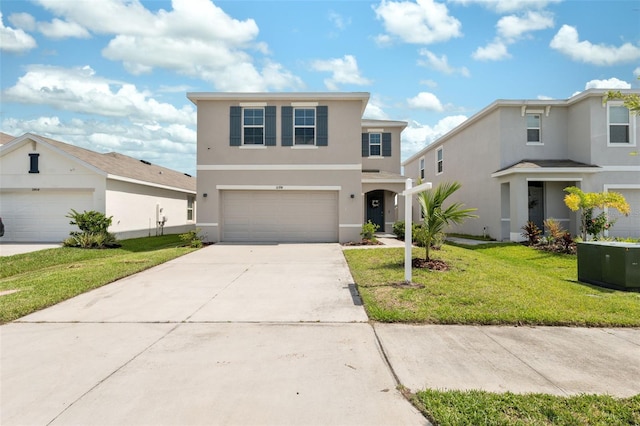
{"x": 436, "y": 218}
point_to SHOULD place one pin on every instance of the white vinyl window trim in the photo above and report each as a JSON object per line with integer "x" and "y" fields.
{"x": 253, "y": 123}
{"x": 534, "y": 128}
{"x": 421, "y": 170}
{"x": 620, "y": 119}
{"x": 439, "y": 161}
{"x": 375, "y": 144}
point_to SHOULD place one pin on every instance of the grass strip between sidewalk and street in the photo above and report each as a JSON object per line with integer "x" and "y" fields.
{"x": 475, "y": 407}
{"x": 36, "y": 280}
{"x": 499, "y": 285}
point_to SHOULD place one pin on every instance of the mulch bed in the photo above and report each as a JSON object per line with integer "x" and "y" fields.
{"x": 433, "y": 264}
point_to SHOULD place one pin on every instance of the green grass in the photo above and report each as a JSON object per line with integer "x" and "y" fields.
{"x": 489, "y": 284}
{"x": 484, "y": 408}
{"x": 47, "y": 277}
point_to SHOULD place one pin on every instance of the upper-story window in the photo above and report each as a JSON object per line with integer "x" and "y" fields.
{"x": 422, "y": 168}
{"x": 304, "y": 126}
{"x": 375, "y": 144}
{"x": 253, "y": 126}
{"x": 533, "y": 128}
{"x": 439, "y": 161}
{"x": 619, "y": 123}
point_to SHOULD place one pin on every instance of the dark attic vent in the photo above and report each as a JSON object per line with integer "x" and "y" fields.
{"x": 145, "y": 162}
{"x": 187, "y": 174}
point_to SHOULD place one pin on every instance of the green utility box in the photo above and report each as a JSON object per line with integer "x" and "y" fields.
{"x": 609, "y": 264}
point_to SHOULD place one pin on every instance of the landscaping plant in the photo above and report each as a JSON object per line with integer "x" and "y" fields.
{"x": 191, "y": 239}
{"x": 592, "y": 225}
{"x": 368, "y": 231}
{"x": 93, "y": 230}
{"x": 531, "y": 232}
{"x": 436, "y": 216}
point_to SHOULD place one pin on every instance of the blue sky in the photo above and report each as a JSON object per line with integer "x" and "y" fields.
{"x": 112, "y": 75}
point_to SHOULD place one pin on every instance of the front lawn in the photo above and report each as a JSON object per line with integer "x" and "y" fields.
{"x": 510, "y": 284}
{"x": 44, "y": 278}
{"x": 485, "y": 408}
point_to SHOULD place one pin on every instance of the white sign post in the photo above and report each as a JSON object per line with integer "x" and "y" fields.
{"x": 408, "y": 223}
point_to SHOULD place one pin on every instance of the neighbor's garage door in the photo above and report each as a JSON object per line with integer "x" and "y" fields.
{"x": 627, "y": 226}
{"x": 280, "y": 216}
{"x": 39, "y": 216}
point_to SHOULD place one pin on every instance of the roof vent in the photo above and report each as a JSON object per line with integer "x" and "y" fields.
{"x": 187, "y": 174}
{"x": 145, "y": 162}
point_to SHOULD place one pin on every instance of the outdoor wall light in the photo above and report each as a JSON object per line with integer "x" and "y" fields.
{"x": 353, "y": 195}
{"x": 204, "y": 195}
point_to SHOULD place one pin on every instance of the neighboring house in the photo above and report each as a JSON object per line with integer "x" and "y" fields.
{"x": 515, "y": 157}
{"x": 43, "y": 179}
{"x": 294, "y": 167}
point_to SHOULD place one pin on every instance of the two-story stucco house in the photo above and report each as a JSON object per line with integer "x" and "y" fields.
{"x": 515, "y": 157}
{"x": 294, "y": 167}
{"x": 42, "y": 179}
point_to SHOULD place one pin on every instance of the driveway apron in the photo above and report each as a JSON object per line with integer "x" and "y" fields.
{"x": 230, "y": 334}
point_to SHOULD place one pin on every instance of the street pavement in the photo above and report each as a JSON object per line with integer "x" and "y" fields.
{"x": 273, "y": 335}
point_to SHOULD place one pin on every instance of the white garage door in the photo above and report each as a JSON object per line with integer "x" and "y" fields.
{"x": 39, "y": 216}
{"x": 280, "y": 216}
{"x": 627, "y": 226}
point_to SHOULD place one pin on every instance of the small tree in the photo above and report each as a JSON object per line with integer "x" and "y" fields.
{"x": 436, "y": 217}
{"x": 576, "y": 200}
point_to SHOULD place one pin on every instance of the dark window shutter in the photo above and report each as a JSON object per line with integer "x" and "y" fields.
{"x": 287, "y": 126}
{"x": 33, "y": 163}
{"x": 270, "y": 126}
{"x": 235, "y": 126}
{"x": 365, "y": 144}
{"x": 386, "y": 144}
{"x": 322, "y": 125}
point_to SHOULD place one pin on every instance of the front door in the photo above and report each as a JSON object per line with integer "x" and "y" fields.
{"x": 536, "y": 204}
{"x": 375, "y": 208}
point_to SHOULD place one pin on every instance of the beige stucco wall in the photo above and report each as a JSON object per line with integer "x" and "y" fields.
{"x": 133, "y": 207}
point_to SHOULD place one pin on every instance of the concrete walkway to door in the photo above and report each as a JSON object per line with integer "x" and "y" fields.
{"x": 230, "y": 334}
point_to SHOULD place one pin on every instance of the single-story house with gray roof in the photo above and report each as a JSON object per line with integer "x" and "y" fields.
{"x": 43, "y": 179}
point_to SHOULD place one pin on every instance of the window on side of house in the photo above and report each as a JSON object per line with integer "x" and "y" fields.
{"x": 439, "y": 161}
{"x": 33, "y": 162}
{"x": 375, "y": 144}
{"x": 253, "y": 126}
{"x": 422, "y": 168}
{"x": 533, "y": 128}
{"x": 190, "y": 205}
{"x": 619, "y": 123}
{"x": 304, "y": 126}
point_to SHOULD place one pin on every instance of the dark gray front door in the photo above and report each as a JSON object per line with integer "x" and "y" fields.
{"x": 536, "y": 204}
{"x": 375, "y": 208}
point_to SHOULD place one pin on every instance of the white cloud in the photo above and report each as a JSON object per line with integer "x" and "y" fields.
{"x": 24, "y": 21}
{"x": 14, "y": 40}
{"x": 494, "y": 51}
{"x": 172, "y": 146}
{"x": 636, "y": 72}
{"x": 344, "y": 71}
{"x": 196, "y": 38}
{"x": 375, "y": 109}
{"x": 429, "y": 83}
{"x": 80, "y": 90}
{"x": 58, "y": 29}
{"x": 512, "y": 27}
{"x": 567, "y": 42}
{"x": 422, "y": 22}
{"x": 544, "y": 97}
{"x": 440, "y": 63}
{"x": 338, "y": 21}
{"x": 509, "y": 6}
{"x": 425, "y": 100}
{"x": 416, "y": 136}
{"x": 612, "y": 83}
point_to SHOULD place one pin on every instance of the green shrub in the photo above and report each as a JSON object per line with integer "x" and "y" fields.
{"x": 398, "y": 230}
{"x": 90, "y": 221}
{"x": 191, "y": 238}
{"x": 368, "y": 231}
{"x": 91, "y": 240}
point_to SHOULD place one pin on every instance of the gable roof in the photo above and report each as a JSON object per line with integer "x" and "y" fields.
{"x": 118, "y": 166}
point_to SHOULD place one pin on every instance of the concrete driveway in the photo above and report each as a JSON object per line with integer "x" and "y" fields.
{"x": 9, "y": 249}
{"x": 231, "y": 334}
